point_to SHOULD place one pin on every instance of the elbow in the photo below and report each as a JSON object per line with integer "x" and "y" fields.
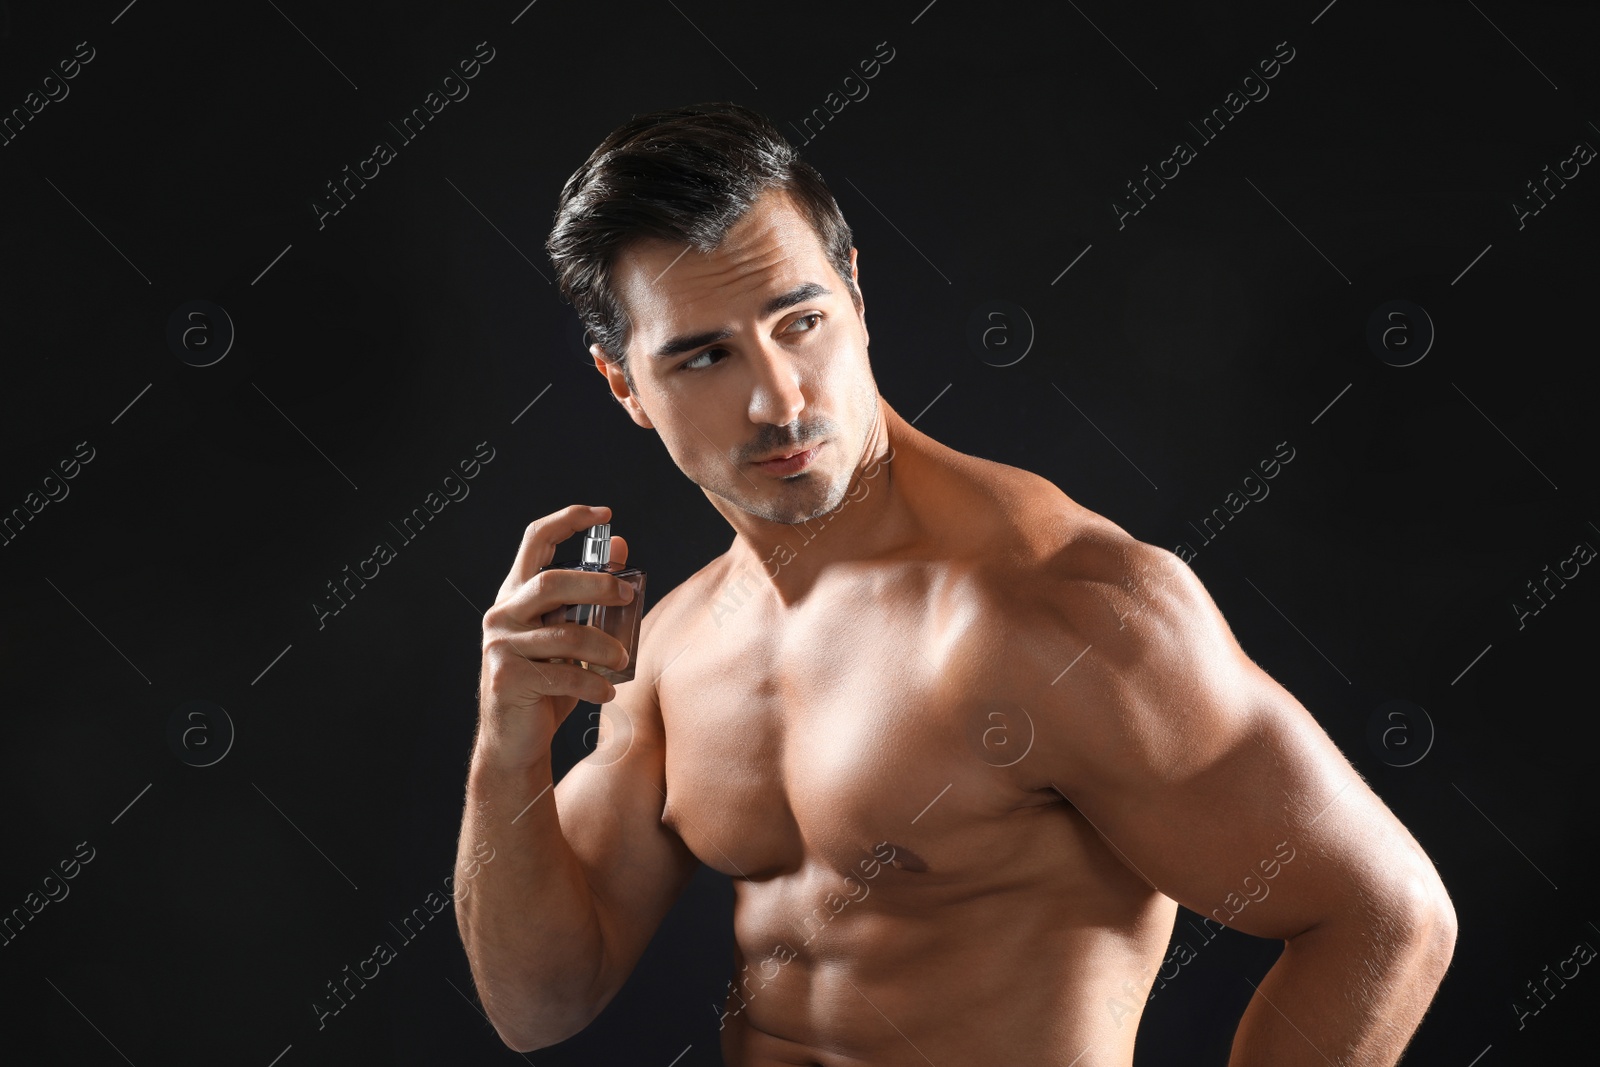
{"x": 534, "y": 1011}
{"x": 1409, "y": 923}
{"x": 1440, "y": 928}
{"x": 538, "y": 1028}
{"x": 1424, "y": 919}
{"x": 517, "y": 1042}
{"x": 535, "y": 996}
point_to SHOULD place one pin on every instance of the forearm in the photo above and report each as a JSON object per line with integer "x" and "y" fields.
{"x": 1346, "y": 993}
{"x": 527, "y": 916}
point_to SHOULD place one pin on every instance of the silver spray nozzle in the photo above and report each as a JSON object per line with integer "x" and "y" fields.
{"x": 597, "y": 544}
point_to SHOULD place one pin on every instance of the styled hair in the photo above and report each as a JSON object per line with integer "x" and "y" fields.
{"x": 683, "y": 175}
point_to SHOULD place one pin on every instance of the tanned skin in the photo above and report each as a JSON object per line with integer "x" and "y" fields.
{"x": 961, "y": 745}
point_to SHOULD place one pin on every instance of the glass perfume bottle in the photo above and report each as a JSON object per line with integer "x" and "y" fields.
{"x": 619, "y": 620}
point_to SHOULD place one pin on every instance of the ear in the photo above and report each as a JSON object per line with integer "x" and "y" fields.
{"x": 618, "y": 381}
{"x": 855, "y": 276}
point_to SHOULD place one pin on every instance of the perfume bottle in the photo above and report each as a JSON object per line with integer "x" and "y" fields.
{"x": 619, "y": 620}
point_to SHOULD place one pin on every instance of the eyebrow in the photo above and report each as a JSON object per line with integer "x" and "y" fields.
{"x": 799, "y": 294}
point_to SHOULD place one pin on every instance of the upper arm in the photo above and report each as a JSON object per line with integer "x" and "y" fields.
{"x": 610, "y": 806}
{"x": 1207, "y": 776}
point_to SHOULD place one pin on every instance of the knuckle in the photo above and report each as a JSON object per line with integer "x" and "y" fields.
{"x": 502, "y": 614}
{"x": 497, "y": 647}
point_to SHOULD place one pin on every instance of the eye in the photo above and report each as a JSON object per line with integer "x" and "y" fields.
{"x": 688, "y": 363}
{"x": 693, "y": 364}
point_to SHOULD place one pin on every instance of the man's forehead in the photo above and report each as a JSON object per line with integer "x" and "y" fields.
{"x": 670, "y": 285}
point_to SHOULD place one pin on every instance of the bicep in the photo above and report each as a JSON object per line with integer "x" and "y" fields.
{"x": 1271, "y": 831}
{"x": 1221, "y": 790}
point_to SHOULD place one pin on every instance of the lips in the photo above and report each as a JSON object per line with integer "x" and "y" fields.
{"x": 790, "y": 463}
{"x": 784, "y": 455}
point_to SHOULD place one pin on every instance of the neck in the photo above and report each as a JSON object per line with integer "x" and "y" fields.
{"x": 875, "y": 516}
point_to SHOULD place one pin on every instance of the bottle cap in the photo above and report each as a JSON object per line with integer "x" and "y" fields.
{"x": 597, "y": 544}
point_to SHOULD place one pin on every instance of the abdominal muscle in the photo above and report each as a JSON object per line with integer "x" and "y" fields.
{"x": 1013, "y": 975}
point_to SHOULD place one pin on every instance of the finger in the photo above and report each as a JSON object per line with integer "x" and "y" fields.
{"x": 539, "y": 540}
{"x": 559, "y": 641}
{"x": 576, "y": 642}
{"x": 539, "y": 601}
{"x": 619, "y": 549}
{"x": 561, "y": 679}
{"x": 566, "y": 643}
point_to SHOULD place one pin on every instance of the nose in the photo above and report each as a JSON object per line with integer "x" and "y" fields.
{"x": 776, "y": 395}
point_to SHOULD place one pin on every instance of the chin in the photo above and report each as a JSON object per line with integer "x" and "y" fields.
{"x": 793, "y": 504}
{"x": 815, "y": 506}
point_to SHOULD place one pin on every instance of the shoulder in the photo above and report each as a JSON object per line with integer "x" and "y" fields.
{"x": 1140, "y": 679}
{"x": 1073, "y": 583}
{"x": 1054, "y": 563}
{"x": 1132, "y": 598}
{"x": 1063, "y": 576}
{"x": 1071, "y": 563}
{"x": 1078, "y": 568}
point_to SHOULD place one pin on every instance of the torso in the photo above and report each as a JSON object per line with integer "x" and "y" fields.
{"x": 908, "y": 888}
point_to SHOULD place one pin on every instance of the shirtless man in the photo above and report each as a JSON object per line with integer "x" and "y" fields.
{"x": 961, "y": 744}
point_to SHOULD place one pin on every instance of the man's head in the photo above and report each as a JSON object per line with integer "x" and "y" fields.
{"x": 717, "y": 276}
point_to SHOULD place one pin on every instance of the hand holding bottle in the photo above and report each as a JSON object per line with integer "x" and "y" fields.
{"x": 554, "y": 634}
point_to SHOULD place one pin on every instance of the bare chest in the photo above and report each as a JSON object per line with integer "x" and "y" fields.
{"x": 882, "y": 726}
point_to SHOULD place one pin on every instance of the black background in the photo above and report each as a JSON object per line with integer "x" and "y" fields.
{"x": 376, "y": 352}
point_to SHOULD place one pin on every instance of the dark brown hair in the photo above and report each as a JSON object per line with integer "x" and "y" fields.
{"x": 684, "y": 175}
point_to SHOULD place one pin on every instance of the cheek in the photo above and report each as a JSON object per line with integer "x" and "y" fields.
{"x": 701, "y": 429}
{"x": 688, "y": 449}
{"x": 841, "y": 368}
{"x": 861, "y": 387}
